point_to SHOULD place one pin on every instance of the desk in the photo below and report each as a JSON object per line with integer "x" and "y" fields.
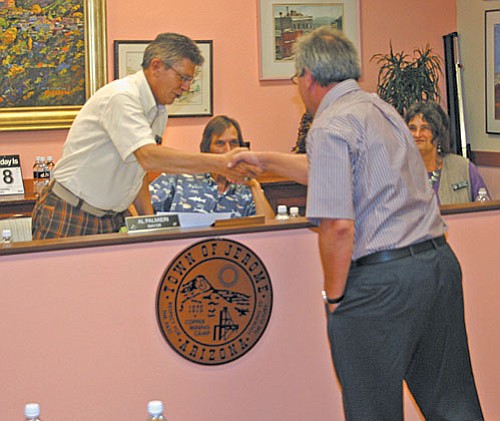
{"x": 88, "y": 327}
{"x": 279, "y": 191}
{"x": 18, "y": 204}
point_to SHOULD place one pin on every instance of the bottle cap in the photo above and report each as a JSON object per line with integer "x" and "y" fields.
{"x": 282, "y": 209}
{"x": 32, "y": 410}
{"x": 6, "y": 234}
{"x": 155, "y": 408}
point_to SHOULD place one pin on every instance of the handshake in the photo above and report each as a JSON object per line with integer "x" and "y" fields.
{"x": 241, "y": 165}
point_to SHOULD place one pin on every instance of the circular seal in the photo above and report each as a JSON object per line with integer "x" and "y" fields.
{"x": 214, "y": 301}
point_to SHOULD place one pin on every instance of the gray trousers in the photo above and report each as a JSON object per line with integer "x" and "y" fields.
{"x": 404, "y": 320}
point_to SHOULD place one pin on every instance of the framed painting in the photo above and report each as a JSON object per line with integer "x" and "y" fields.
{"x": 198, "y": 101}
{"x": 281, "y": 23}
{"x": 492, "y": 70}
{"x": 54, "y": 59}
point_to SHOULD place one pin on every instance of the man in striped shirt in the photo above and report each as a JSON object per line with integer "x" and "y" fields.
{"x": 392, "y": 285}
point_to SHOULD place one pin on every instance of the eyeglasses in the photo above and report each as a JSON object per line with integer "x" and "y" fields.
{"x": 183, "y": 78}
{"x": 295, "y": 77}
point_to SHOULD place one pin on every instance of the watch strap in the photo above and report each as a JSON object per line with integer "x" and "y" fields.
{"x": 332, "y": 300}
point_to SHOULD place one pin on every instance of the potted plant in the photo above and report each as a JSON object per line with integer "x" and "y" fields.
{"x": 403, "y": 80}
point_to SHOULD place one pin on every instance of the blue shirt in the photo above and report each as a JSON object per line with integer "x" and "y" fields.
{"x": 199, "y": 193}
{"x": 364, "y": 165}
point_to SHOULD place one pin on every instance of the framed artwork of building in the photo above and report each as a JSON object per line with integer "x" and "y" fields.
{"x": 54, "y": 58}
{"x": 281, "y": 23}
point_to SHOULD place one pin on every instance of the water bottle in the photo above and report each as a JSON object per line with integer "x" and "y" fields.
{"x": 482, "y": 195}
{"x": 282, "y": 214}
{"x": 6, "y": 237}
{"x": 155, "y": 411}
{"x": 294, "y": 212}
{"x": 32, "y": 412}
{"x": 35, "y": 176}
{"x": 43, "y": 174}
{"x": 50, "y": 166}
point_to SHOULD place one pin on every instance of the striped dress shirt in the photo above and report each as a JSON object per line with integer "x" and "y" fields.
{"x": 364, "y": 166}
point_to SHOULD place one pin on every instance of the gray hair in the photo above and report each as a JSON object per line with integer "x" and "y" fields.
{"x": 171, "y": 48}
{"x": 329, "y": 55}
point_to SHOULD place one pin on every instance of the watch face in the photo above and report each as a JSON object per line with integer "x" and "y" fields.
{"x": 331, "y": 300}
{"x": 325, "y": 297}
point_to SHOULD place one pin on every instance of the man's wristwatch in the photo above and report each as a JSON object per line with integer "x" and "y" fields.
{"x": 331, "y": 300}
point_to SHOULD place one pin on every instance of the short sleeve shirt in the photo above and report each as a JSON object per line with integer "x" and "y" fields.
{"x": 98, "y": 162}
{"x": 364, "y": 165}
{"x": 199, "y": 193}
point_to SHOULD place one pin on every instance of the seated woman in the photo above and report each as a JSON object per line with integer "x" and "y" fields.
{"x": 454, "y": 178}
{"x": 206, "y": 193}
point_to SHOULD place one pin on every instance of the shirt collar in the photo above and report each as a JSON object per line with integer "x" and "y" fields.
{"x": 339, "y": 90}
{"x": 148, "y": 102}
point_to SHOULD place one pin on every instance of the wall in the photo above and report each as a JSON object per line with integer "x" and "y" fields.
{"x": 268, "y": 111}
{"x": 470, "y": 27}
{"x": 84, "y": 340}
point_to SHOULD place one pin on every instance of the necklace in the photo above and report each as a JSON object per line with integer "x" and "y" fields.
{"x": 434, "y": 176}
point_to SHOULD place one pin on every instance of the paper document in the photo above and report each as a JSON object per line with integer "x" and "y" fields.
{"x": 195, "y": 219}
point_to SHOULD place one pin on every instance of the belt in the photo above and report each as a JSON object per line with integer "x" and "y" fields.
{"x": 388, "y": 255}
{"x": 63, "y": 193}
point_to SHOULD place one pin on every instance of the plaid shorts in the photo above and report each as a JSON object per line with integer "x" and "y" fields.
{"x": 55, "y": 218}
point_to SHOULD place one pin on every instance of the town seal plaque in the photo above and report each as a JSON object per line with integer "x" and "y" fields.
{"x": 214, "y": 301}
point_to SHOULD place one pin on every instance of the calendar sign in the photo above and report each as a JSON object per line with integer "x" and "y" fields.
{"x": 11, "y": 179}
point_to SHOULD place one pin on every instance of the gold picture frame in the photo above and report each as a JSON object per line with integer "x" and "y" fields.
{"x": 61, "y": 117}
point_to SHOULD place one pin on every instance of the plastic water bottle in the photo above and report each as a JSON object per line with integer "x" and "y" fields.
{"x": 32, "y": 412}
{"x": 155, "y": 411}
{"x": 35, "y": 176}
{"x": 282, "y": 214}
{"x": 50, "y": 166}
{"x": 43, "y": 174}
{"x": 294, "y": 212}
{"x": 482, "y": 195}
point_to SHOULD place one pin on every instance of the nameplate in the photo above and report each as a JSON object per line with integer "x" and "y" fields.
{"x": 460, "y": 185}
{"x": 11, "y": 179}
{"x": 151, "y": 223}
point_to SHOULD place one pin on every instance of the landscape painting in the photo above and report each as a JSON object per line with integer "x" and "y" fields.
{"x": 42, "y": 53}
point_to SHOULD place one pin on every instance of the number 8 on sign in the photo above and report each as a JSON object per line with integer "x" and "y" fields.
{"x": 11, "y": 179}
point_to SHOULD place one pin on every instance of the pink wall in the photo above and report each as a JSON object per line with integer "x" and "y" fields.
{"x": 268, "y": 111}
{"x": 80, "y": 336}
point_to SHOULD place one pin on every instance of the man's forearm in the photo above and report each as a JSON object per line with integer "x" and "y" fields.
{"x": 336, "y": 239}
{"x": 292, "y": 166}
{"x": 174, "y": 161}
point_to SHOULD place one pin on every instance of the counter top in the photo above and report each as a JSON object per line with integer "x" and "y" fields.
{"x": 154, "y": 235}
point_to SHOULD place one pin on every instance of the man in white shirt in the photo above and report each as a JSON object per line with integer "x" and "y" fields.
{"x": 114, "y": 142}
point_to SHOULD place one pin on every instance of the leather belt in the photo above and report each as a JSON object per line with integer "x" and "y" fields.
{"x": 63, "y": 193}
{"x": 388, "y": 255}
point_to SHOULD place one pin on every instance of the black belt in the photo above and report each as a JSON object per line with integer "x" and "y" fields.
{"x": 388, "y": 255}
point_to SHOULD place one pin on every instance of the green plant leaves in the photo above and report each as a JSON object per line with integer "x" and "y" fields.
{"x": 403, "y": 80}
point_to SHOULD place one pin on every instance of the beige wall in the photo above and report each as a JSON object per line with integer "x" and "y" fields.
{"x": 268, "y": 111}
